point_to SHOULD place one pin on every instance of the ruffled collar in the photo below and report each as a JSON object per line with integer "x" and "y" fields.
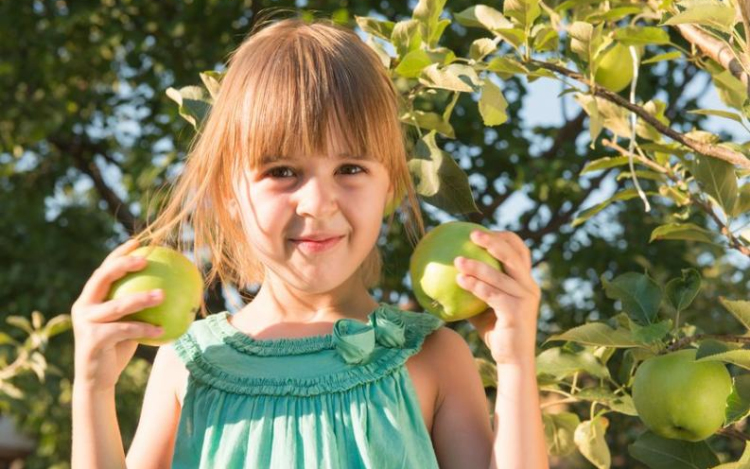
{"x": 353, "y": 340}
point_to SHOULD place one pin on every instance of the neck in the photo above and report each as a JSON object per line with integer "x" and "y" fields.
{"x": 277, "y": 302}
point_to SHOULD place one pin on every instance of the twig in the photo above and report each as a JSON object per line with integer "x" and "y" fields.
{"x": 715, "y": 151}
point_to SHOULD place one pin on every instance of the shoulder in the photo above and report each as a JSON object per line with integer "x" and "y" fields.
{"x": 449, "y": 357}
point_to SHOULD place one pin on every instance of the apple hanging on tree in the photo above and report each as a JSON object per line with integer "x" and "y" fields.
{"x": 677, "y": 397}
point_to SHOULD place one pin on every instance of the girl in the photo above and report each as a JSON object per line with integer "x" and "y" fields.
{"x": 286, "y": 186}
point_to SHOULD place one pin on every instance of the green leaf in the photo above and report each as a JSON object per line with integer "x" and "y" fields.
{"x": 589, "y": 438}
{"x": 740, "y": 309}
{"x": 719, "y": 113}
{"x": 597, "y": 333}
{"x": 428, "y": 13}
{"x": 212, "y": 81}
{"x": 559, "y": 363}
{"x": 731, "y": 91}
{"x": 661, "y": 57}
{"x": 429, "y": 121}
{"x": 612, "y": 14}
{"x": 413, "y": 63}
{"x": 605, "y": 163}
{"x": 558, "y": 432}
{"x": 718, "y": 180}
{"x": 738, "y": 402}
{"x": 641, "y": 35}
{"x": 481, "y": 48}
{"x": 483, "y": 16}
{"x": 10, "y": 390}
{"x": 641, "y": 174}
{"x": 682, "y": 291}
{"x": 582, "y": 38}
{"x": 679, "y": 197}
{"x": 665, "y": 453}
{"x": 193, "y": 103}
{"x": 711, "y": 350}
{"x": 492, "y": 104}
{"x": 545, "y": 38}
{"x": 7, "y": 339}
{"x": 713, "y": 13}
{"x": 523, "y": 11}
{"x": 683, "y": 231}
{"x": 639, "y": 294}
{"x": 406, "y": 36}
{"x": 621, "y": 403}
{"x": 20, "y": 322}
{"x": 742, "y": 205}
{"x": 506, "y": 67}
{"x": 453, "y": 77}
{"x": 439, "y": 179}
{"x": 58, "y": 325}
{"x": 651, "y": 333}
{"x": 380, "y": 28}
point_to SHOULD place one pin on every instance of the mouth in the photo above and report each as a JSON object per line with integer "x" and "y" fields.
{"x": 314, "y": 246}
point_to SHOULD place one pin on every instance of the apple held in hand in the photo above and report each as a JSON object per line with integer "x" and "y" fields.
{"x": 433, "y": 275}
{"x": 177, "y": 277}
{"x": 679, "y": 398}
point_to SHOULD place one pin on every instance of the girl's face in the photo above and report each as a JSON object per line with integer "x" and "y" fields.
{"x": 313, "y": 196}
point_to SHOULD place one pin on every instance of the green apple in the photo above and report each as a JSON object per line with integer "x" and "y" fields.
{"x": 179, "y": 279}
{"x": 679, "y": 398}
{"x": 614, "y": 70}
{"x": 433, "y": 275}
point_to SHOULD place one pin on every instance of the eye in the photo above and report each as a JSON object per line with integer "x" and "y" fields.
{"x": 275, "y": 171}
{"x": 359, "y": 168}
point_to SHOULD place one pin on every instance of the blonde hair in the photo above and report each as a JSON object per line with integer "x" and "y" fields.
{"x": 285, "y": 87}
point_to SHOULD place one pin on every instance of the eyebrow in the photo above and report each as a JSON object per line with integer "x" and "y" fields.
{"x": 268, "y": 159}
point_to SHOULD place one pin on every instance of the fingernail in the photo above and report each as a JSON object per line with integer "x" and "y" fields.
{"x": 155, "y": 294}
{"x": 157, "y": 331}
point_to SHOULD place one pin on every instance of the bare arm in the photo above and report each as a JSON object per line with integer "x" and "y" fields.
{"x": 97, "y": 441}
{"x": 519, "y": 433}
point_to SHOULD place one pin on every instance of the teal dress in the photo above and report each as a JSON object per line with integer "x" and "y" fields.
{"x": 339, "y": 400}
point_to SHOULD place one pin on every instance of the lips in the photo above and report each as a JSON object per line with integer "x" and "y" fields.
{"x": 320, "y": 245}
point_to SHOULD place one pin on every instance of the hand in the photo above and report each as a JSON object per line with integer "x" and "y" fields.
{"x": 508, "y": 326}
{"x": 104, "y": 347}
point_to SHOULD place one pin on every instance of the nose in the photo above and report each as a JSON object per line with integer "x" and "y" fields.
{"x": 316, "y": 198}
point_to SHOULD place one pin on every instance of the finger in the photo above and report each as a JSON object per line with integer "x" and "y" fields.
{"x": 120, "y": 331}
{"x": 502, "y": 304}
{"x": 490, "y": 276}
{"x": 97, "y": 288}
{"x": 519, "y": 244}
{"x": 498, "y": 247}
{"x": 114, "y": 310}
{"x": 512, "y": 261}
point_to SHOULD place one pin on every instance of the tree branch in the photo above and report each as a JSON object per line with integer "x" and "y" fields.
{"x": 717, "y": 50}
{"x": 723, "y": 228}
{"x": 83, "y": 151}
{"x": 714, "y": 151}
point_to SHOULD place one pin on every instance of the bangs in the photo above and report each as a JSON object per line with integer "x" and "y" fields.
{"x": 311, "y": 96}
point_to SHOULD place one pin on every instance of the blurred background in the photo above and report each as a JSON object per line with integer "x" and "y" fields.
{"x": 87, "y": 135}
